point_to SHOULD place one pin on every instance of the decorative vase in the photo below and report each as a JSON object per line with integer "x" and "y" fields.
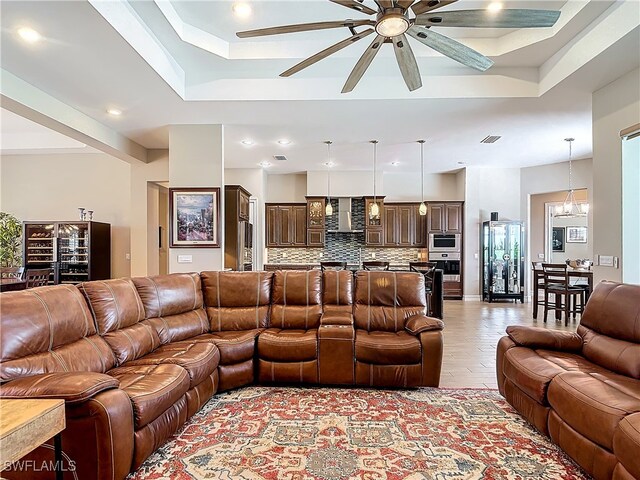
{"x": 90, "y": 215}
{"x": 81, "y": 211}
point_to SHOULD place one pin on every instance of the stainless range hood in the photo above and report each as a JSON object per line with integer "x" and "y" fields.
{"x": 344, "y": 217}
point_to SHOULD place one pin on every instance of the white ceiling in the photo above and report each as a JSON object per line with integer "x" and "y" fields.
{"x": 90, "y": 65}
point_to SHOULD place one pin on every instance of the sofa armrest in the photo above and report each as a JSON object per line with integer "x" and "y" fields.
{"x": 536, "y": 337}
{"x": 336, "y": 318}
{"x": 417, "y": 324}
{"x": 74, "y": 387}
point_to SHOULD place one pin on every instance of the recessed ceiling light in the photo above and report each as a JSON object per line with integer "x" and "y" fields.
{"x": 494, "y": 7}
{"x": 265, "y": 164}
{"x": 247, "y": 142}
{"x": 330, "y": 164}
{"x": 462, "y": 163}
{"x": 241, "y": 9}
{"x": 284, "y": 141}
{"x": 395, "y": 164}
{"x": 29, "y": 35}
{"x": 114, "y": 111}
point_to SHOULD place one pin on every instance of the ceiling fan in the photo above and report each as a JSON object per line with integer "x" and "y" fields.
{"x": 393, "y": 20}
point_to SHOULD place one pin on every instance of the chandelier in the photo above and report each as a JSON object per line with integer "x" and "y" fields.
{"x": 374, "y": 208}
{"x": 328, "y": 210}
{"x": 422, "y": 210}
{"x": 570, "y": 208}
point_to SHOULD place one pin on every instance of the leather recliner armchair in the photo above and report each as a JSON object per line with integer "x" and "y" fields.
{"x": 582, "y": 389}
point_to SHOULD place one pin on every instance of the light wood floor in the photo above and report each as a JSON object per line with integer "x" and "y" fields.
{"x": 472, "y": 331}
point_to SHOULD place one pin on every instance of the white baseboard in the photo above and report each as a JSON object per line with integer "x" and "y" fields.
{"x": 471, "y": 298}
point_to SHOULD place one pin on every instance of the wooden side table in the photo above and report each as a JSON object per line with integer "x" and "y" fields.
{"x": 25, "y": 424}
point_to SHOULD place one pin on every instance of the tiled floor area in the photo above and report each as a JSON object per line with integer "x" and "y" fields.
{"x": 472, "y": 331}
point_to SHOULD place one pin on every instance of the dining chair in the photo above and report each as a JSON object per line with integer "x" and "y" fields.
{"x": 428, "y": 269}
{"x": 333, "y": 266}
{"x": 38, "y": 277}
{"x": 375, "y": 265}
{"x": 11, "y": 272}
{"x": 556, "y": 282}
{"x": 538, "y": 286}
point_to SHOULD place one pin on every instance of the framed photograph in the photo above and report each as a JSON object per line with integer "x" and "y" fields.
{"x": 194, "y": 217}
{"x": 576, "y": 234}
{"x": 557, "y": 240}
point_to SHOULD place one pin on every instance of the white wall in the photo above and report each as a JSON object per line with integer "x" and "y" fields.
{"x": 615, "y": 108}
{"x": 488, "y": 190}
{"x": 52, "y": 187}
{"x": 196, "y": 159}
{"x": 290, "y": 187}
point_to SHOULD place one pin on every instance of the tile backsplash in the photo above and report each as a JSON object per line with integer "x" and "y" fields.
{"x": 345, "y": 247}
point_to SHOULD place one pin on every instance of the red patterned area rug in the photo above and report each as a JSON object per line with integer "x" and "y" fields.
{"x": 333, "y": 434}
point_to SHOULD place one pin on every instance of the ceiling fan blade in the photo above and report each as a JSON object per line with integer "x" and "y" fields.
{"x": 407, "y": 62}
{"x": 515, "y": 18}
{"x": 424, "y": 6}
{"x": 384, "y": 3}
{"x": 325, "y": 53}
{"x": 355, "y": 5}
{"x": 451, "y": 48}
{"x": 303, "y": 27}
{"x": 404, "y": 4}
{"x": 362, "y": 65}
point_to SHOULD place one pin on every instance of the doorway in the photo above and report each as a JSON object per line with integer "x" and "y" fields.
{"x": 630, "y": 210}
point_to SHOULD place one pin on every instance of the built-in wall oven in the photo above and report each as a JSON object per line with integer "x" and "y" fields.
{"x": 445, "y": 242}
{"x": 449, "y": 263}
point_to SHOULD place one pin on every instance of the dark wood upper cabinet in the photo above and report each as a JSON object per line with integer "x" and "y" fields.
{"x": 286, "y": 225}
{"x": 316, "y": 221}
{"x": 374, "y": 226}
{"x": 445, "y": 217}
{"x": 390, "y": 225}
{"x": 236, "y": 211}
{"x": 403, "y": 225}
{"x": 406, "y": 225}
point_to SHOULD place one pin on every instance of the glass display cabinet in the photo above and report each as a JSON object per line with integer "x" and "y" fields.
{"x": 75, "y": 251}
{"x": 503, "y": 261}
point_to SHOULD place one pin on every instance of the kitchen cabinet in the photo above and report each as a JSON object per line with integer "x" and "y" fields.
{"x": 444, "y": 217}
{"x": 316, "y": 221}
{"x": 374, "y": 224}
{"x": 238, "y": 232}
{"x": 286, "y": 225}
{"x": 403, "y": 225}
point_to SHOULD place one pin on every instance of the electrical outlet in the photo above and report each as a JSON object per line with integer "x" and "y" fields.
{"x": 127, "y": 256}
{"x": 373, "y": 254}
{"x": 284, "y": 254}
{"x": 541, "y": 256}
{"x": 616, "y": 262}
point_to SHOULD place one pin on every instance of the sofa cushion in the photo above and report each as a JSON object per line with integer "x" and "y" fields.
{"x": 532, "y": 370}
{"x": 626, "y": 444}
{"x": 166, "y": 295}
{"x": 49, "y": 329}
{"x": 385, "y": 300}
{"x": 610, "y": 328}
{"x": 593, "y": 404}
{"x": 237, "y": 300}
{"x": 288, "y": 345}
{"x": 235, "y": 346}
{"x": 387, "y": 348}
{"x": 200, "y": 360}
{"x": 337, "y": 291}
{"x": 152, "y": 389}
{"x": 119, "y": 316}
{"x": 296, "y": 299}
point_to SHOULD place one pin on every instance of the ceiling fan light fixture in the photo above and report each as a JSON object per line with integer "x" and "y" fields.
{"x": 392, "y": 25}
{"x": 494, "y": 7}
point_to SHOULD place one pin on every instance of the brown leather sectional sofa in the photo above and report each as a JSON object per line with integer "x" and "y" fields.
{"x": 582, "y": 389}
{"x": 135, "y": 358}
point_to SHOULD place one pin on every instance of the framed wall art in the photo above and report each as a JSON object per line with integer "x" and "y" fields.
{"x": 557, "y": 240}
{"x": 194, "y": 215}
{"x": 576, "y": 234}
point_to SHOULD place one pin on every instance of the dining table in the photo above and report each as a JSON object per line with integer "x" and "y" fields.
{"x": 574, "y": 273}
{"x": 12, "y": 284}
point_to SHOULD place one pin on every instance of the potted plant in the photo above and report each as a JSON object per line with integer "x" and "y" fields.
{"x": 10, "y": 241}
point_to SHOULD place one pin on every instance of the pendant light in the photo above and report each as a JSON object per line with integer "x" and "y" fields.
{"x": 570, "y": 208}
{"x": 374, "y": 209}
{"x": 422, "y": 210}
{"x": 328, "y": 209}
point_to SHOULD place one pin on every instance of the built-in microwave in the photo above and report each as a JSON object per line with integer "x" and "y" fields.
{"x": 444, "y": 242}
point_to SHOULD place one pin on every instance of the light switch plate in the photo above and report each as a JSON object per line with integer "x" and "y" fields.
{"x": 605, "y": 260}
{"x": 185, "y": 258}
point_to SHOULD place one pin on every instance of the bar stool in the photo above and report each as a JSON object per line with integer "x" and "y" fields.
{"x": 538, "y": 286}
{"x": 375, "y": 265}
{"x": 556, "y": 282}
{"x": 333, "y": 266}
{"x": 428, "y": 270}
